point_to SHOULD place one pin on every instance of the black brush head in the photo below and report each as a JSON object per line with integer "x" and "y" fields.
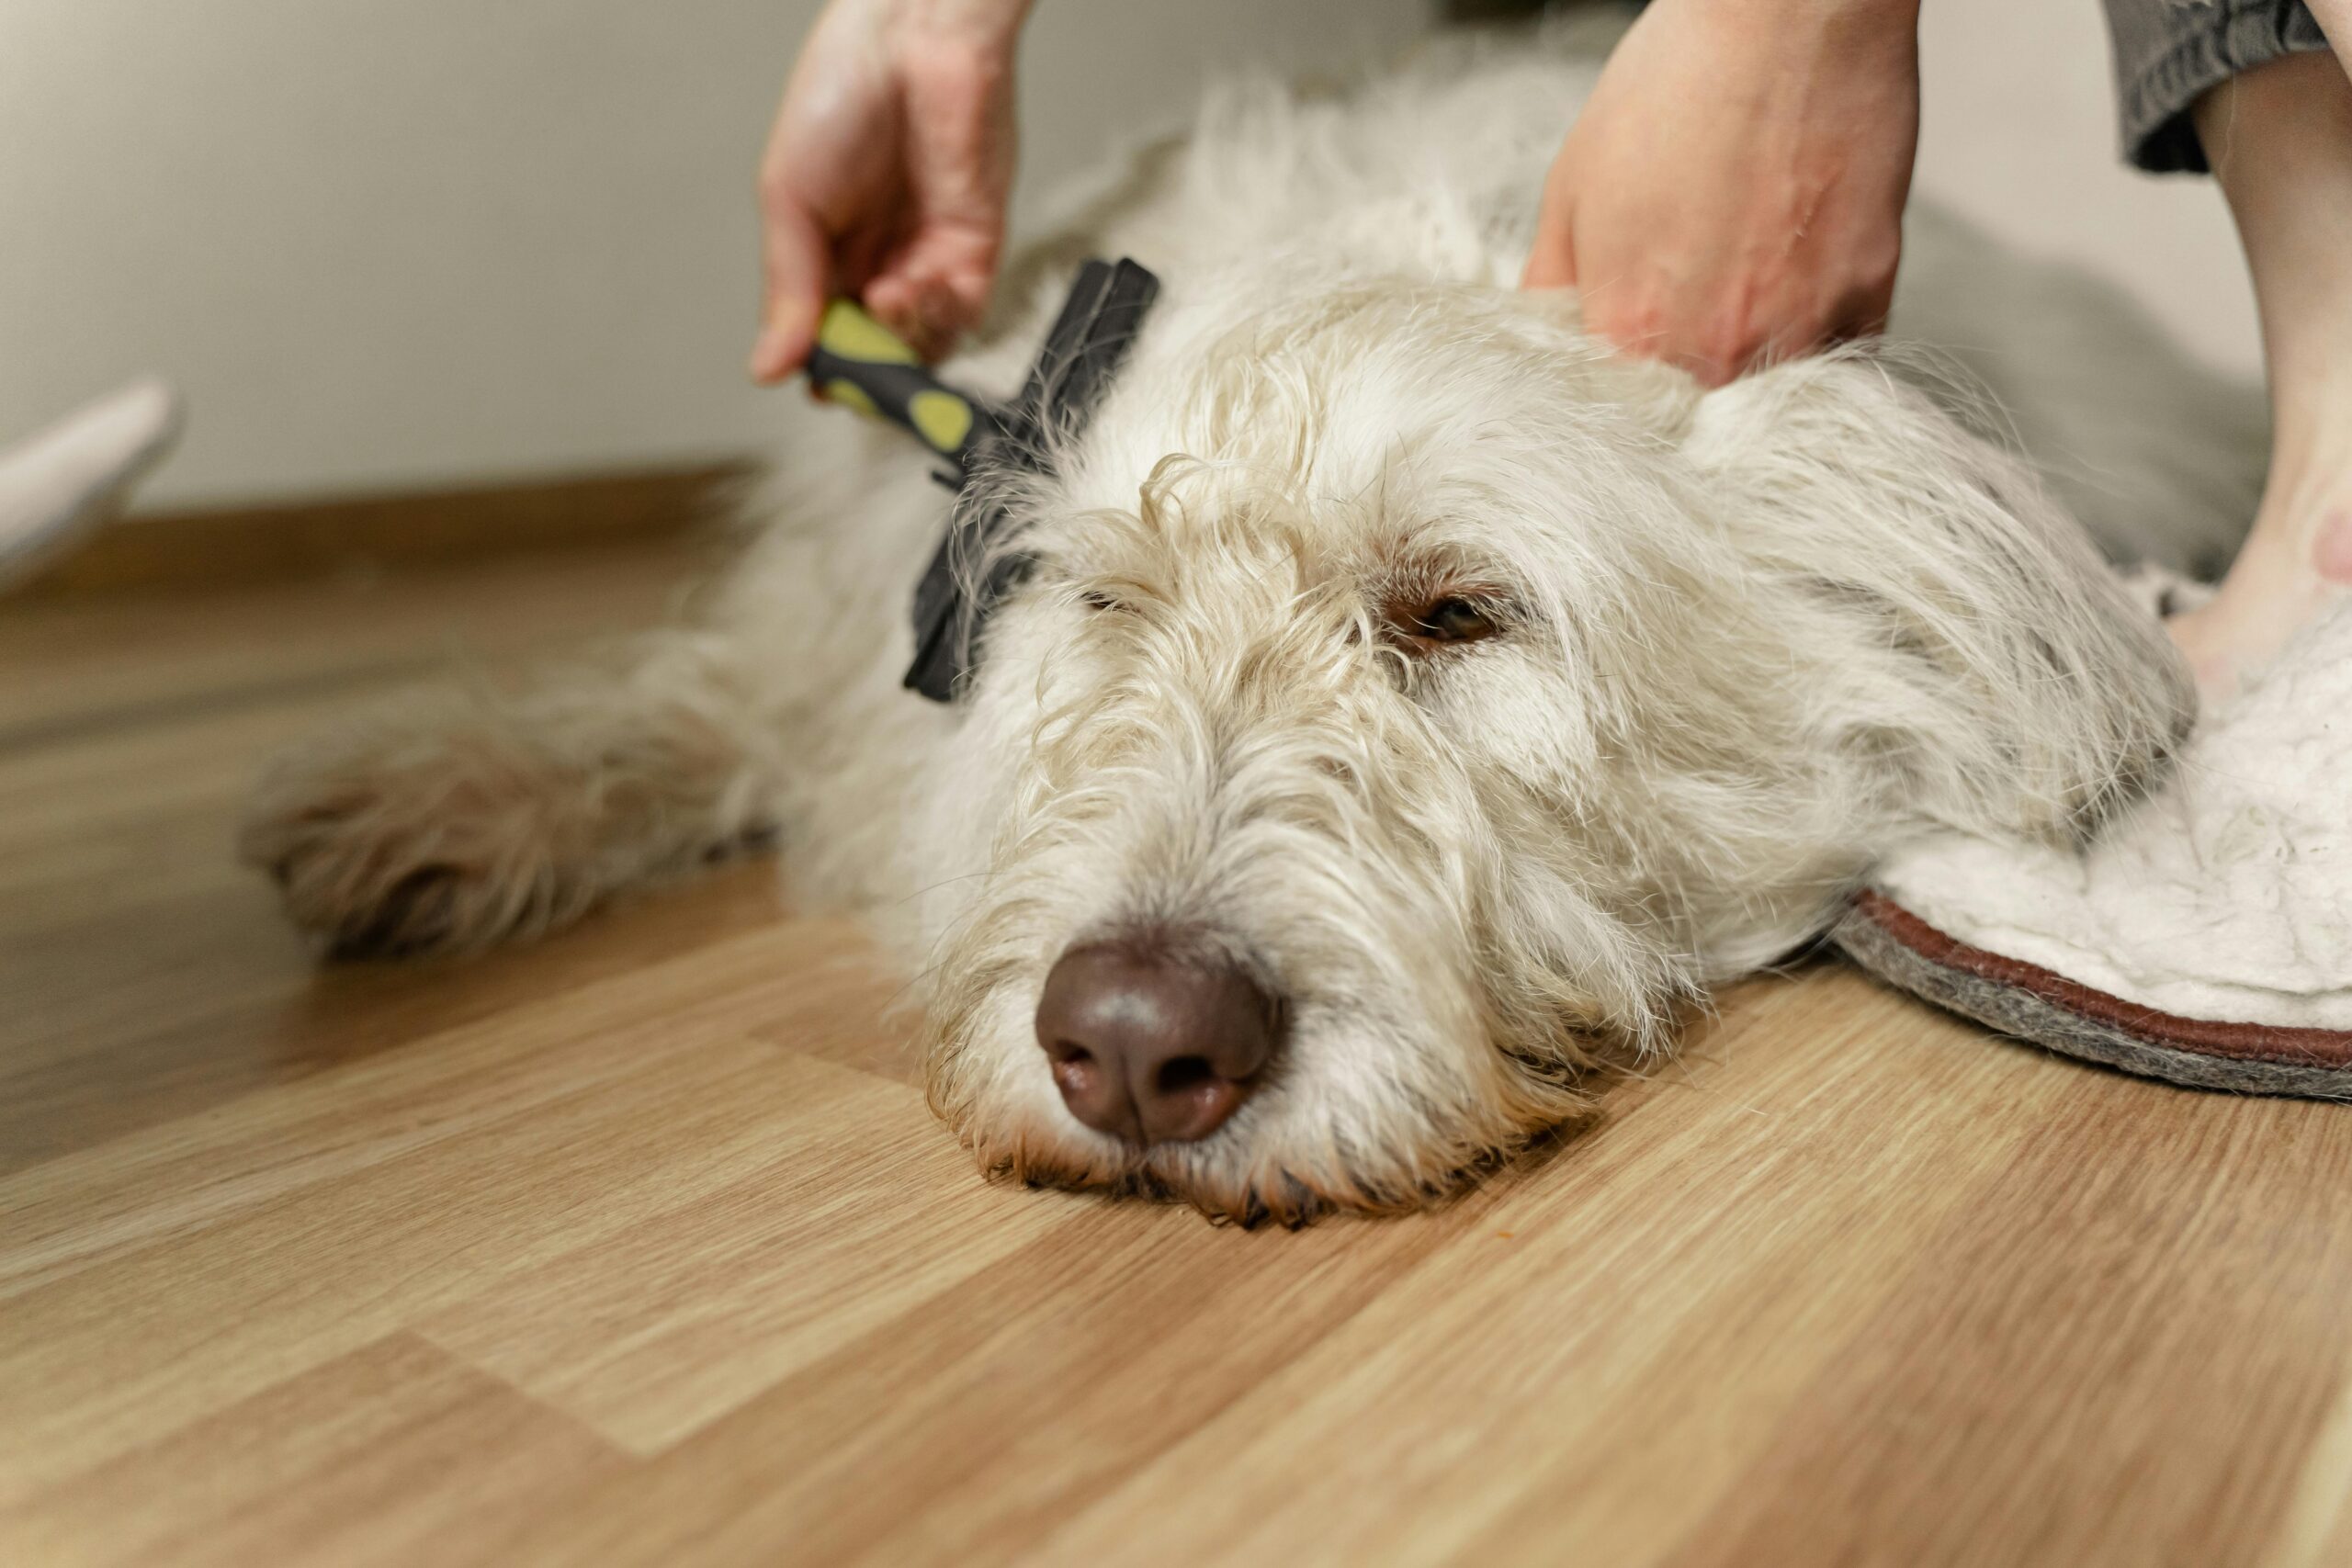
{"x": 968, "y": 576}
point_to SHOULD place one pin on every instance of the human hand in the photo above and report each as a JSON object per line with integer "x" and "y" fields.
{"x": 887, "y": 174}
{"x": 1734, "y": 190}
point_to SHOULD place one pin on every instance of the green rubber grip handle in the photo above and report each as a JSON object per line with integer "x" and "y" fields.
{"x": 859, "y": 364}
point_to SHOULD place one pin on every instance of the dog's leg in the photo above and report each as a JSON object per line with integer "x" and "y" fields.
{"x": 465, "y": 816}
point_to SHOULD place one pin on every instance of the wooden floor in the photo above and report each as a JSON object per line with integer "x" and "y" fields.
{"x": 640, "y": 1245}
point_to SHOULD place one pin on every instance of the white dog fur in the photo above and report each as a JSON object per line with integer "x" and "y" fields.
{"x": 1744, "y": 642}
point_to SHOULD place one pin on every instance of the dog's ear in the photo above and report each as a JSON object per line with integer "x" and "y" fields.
{"x": 1961, "y": 631}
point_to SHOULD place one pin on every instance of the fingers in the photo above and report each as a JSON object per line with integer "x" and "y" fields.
{"x": 797, "y": 268}
{"x": 1700, "y": 331}
{"x": 930, "y": 289}
{"x": 937, "y": 286}
{"x": 1720, "y": 330}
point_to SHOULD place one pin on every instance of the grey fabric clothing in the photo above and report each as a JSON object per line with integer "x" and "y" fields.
{"x": 2169, "y": 52}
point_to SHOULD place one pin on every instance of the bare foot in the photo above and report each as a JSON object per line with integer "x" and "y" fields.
{"x": 2297, "y": 561}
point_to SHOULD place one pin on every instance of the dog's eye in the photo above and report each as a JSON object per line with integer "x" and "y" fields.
{"x": 1423, "y": 623}
{"x": 1426, "y": 621}
{"x": 1454, "y": 619}
{"x": 1095, "y": 600}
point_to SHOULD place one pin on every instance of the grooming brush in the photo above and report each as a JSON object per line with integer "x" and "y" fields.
{"x": 859, "y": 364}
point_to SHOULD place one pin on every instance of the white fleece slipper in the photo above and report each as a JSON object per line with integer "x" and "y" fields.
{"x": 2204, "y": 937}
{"x": 63, "y": 482}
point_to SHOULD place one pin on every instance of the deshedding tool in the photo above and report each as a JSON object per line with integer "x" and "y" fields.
{"x": 859, "y": 364}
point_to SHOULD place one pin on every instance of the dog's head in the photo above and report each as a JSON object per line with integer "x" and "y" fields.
{"x": 1411, "y": 705}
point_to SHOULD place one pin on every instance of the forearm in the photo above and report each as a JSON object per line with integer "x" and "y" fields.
{"x": 993, "y": 22}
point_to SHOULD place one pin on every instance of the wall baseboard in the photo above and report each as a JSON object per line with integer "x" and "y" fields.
{"x": 234, "y": 546}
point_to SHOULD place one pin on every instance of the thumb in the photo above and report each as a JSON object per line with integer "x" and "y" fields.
{"x": 799, "y": 270}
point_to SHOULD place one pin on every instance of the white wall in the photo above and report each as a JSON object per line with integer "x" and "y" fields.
{"x": 391, "y": 243}
{"x": 394, "y": 242}
{"x": 2018, "y": 132}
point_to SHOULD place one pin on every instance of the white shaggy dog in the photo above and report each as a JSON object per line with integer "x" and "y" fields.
{"x": 1411, "y": 703}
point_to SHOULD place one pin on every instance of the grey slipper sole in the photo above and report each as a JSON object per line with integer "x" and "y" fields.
{"x": 2034, "y": 1004}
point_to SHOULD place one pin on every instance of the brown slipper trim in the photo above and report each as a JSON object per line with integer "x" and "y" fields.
{"x": 2035, "y": 1004}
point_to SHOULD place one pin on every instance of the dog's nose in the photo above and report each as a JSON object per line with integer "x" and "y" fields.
{"x": 1153, "y": 1049}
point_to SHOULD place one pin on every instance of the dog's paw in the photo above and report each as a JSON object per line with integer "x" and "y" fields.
{"x": 406, "y": 839}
